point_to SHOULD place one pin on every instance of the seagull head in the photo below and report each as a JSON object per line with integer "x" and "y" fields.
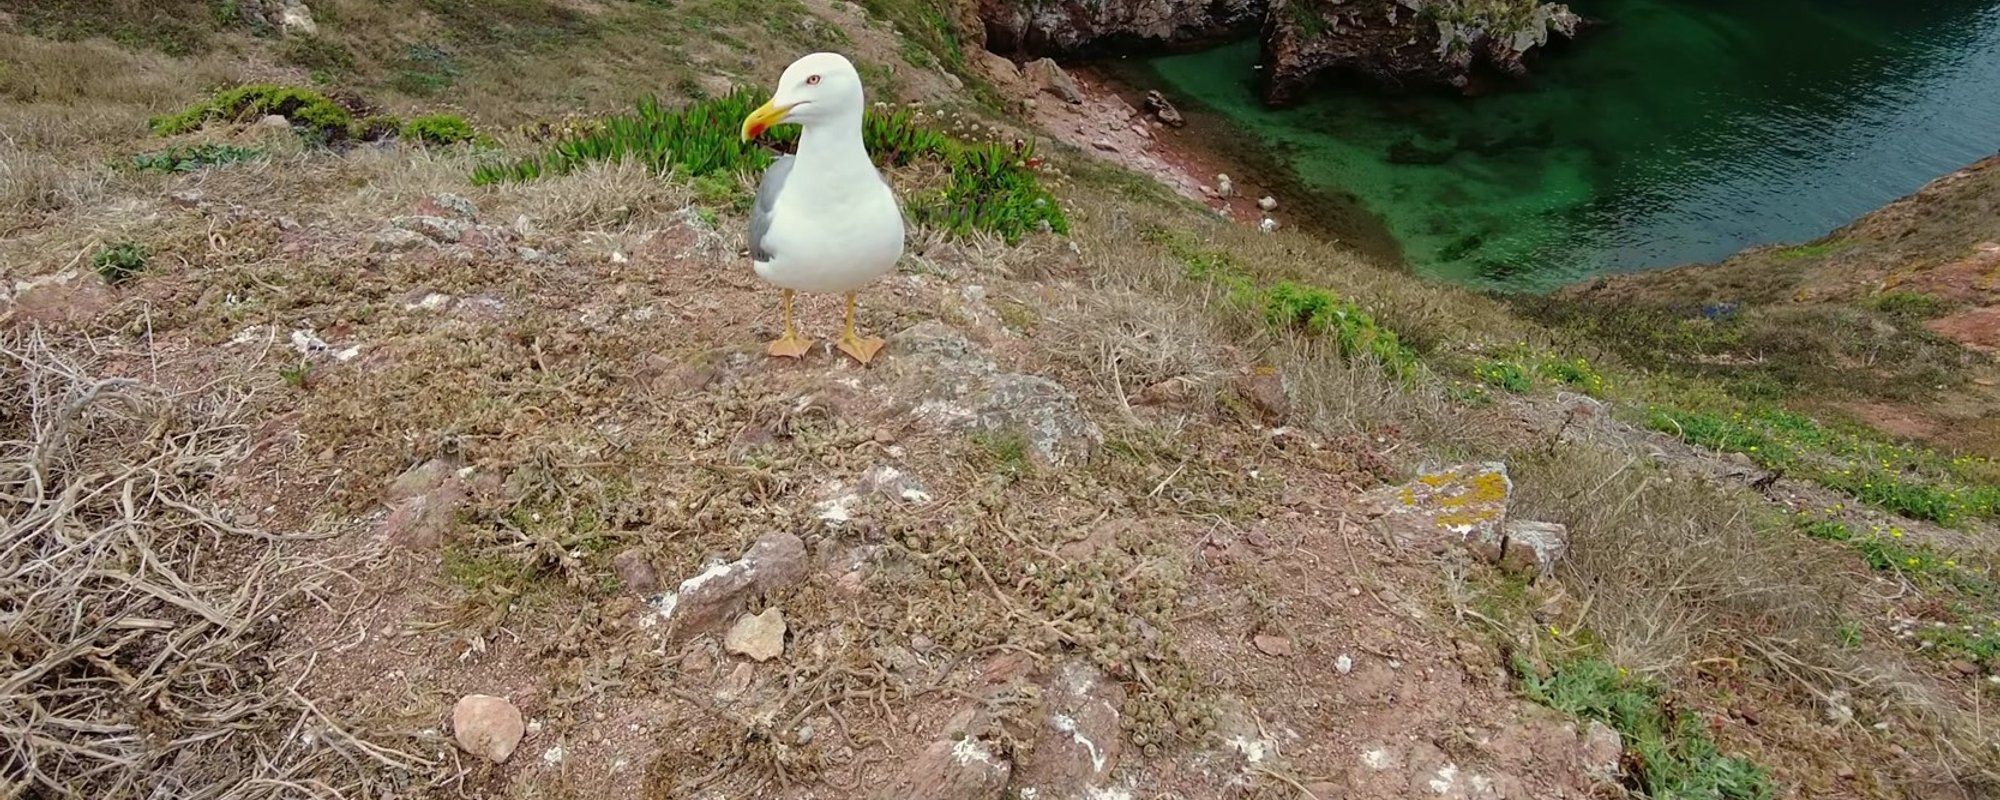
{"x": 819, "y": 88}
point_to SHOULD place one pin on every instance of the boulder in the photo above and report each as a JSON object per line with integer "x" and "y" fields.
{"x": 487, "y": 726}
{"x": 1047, "y": 76}
{"x": 1464, "y": 504}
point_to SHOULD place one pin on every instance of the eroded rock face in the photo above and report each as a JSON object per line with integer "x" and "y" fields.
{"x": 1069, "y": 26}
{"x": 1401, "y": 44}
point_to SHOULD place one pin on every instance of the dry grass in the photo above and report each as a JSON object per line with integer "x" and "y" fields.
{"x": 139, "y": 639}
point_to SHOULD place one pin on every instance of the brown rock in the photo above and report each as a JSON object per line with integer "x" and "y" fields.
{"x": 1264, "y": 389}
{"x": 424, "y": 505}
{"x": 1964, "y": 667}
{"x": 447, "y": 205}
{"x": 1465, "y": 504}
{"x": 60, "y": 300}
{"x": 636, "y": 572}
{"x": 1163, "y": 110}
{"x": 1077, "y": 740}
{"x": 962, "y": 769}
{"x": 718, "y": 593}
{"x": 1273, "y": 645}
{"x": 761, "y": 637}
{"x": 487, "y": 726}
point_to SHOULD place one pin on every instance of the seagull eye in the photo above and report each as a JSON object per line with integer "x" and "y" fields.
{"x": 812, "y": 81}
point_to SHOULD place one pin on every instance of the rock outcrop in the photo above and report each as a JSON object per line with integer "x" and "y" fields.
{"x": 1040, "y": 27}
{"x": 1401, "y": 44}
{"x": 1395, "y": 44}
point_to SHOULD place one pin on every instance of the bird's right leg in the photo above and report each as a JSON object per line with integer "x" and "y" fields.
{"x": 791, "y": 344}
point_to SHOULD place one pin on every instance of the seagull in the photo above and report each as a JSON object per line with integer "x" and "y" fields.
{"x": 824, "y": 220}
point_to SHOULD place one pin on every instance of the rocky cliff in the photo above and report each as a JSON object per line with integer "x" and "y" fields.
{"x": 1391, "y": 43}
{"x": 1402, "y": 43}
{"x": 1070, "y": 27}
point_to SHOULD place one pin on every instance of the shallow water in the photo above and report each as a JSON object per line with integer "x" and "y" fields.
{"x": 1682, "y": 131}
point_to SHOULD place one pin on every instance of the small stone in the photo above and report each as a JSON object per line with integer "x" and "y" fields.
{"x": 1278, "y": 646}
{"x": 275, "y": 122}
{"x": 443, "y": 230}
{"x": 1268, "y": 203}
{"x": 1964, "y": 667}
{"x": 1264, "y": 389}
{"x": 1223, "y": 186}
{"x": 487, "y": 726}
{"x": 448, "y": 205}
{"x": 737, "y": 683}
{"x": 1105, "y": 145}
{"x": 1344, "y": 664}
{"x": 1534, "y": 547}
{"x": 1268, "y": 225}
{"x": 397, "y": 240}
{"x": 760, "y": 636}
{"x": 296, "y": 19}
{"x": 1601, "y": 751}
{"x": 636, "y": 572}
{"x": 1844, "y": 772}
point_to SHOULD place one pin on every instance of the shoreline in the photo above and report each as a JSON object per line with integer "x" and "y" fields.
{"x": 1110, "y": 123}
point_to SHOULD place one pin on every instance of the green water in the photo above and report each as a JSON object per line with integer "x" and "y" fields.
{"x": 1682, "y": 131}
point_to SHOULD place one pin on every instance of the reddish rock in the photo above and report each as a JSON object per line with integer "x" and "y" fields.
{"x": 961, "y": 769}
{"x": 69, "y": 299}
{"x": 636, "y": 572}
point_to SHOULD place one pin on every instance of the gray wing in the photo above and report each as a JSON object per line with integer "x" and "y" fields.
{"x": 767, "y": 206}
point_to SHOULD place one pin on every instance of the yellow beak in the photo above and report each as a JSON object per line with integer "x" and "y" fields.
{"x": 762, "y": 119}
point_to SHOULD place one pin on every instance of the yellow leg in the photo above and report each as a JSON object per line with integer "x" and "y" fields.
{"x": 863, "y": 350}
{"x": 791, "y": 344}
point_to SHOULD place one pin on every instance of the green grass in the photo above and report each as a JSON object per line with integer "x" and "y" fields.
{"x": 439, "y": 129}
{"x": 1819, "y": 249}
{"x": 1505, "y": 374}
{"x": 192, "y": 158}
{"x": 305, "y": 108}
{"x": 1673, "y": 756}
{"x": 118, "y": 263}
{"x": 1888, "y": 549}
{"x": 1911, "y": 481}
{"x": 988, "y": 187}
{"x": 1288, "y": 305}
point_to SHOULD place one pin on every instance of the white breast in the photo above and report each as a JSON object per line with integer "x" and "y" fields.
{"x": 829, "y": 243}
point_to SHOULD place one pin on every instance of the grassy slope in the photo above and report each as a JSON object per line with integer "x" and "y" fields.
{"x": 1753, "y": 618}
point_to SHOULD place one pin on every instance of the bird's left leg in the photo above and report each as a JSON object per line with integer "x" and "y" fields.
{"x": 791, "y": 344}
{"x": 863, "y": 350}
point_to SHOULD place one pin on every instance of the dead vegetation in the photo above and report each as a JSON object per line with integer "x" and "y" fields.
{"x": 142, "y": 621}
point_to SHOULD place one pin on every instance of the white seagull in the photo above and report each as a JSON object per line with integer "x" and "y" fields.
{"x": 824, "y": 219}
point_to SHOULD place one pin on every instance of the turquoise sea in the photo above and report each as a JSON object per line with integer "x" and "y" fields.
{"x": 1679, "y": 131}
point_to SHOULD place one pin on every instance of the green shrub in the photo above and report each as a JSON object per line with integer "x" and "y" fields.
{"x": 191, "y": 158}
{"x": 989, "y": 187}
{"x": 439, "y": 129}
{"x": 1674, "y": 756}
{"x": 119, "y": 262}
{"x": 1909, "y": 304}
{"x": 305, "y": 108}
{"x": 1505, "y": 374}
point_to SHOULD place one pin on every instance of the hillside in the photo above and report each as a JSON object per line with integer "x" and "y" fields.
{"x": 366, "y": 434}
